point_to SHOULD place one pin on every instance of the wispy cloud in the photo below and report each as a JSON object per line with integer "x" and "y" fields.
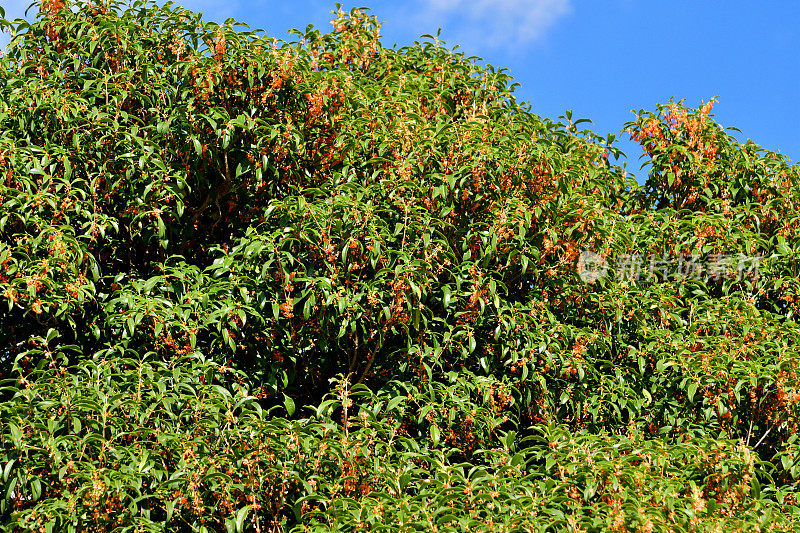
{"x": 496, "y": 23}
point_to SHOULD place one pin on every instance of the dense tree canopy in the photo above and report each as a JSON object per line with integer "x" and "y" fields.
{"x": 256, "y": 285}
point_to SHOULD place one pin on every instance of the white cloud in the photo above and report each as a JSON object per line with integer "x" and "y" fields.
{"x": 497, "y": 23}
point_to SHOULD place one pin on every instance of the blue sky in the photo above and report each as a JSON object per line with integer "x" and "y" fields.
{"x": 599, "y": 58}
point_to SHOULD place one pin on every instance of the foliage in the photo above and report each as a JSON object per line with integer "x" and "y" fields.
{"x": 115, "y": 445}
{"x": 248, "y": 284}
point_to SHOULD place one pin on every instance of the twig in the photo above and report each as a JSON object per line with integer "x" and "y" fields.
{"x": 763, "y": 437}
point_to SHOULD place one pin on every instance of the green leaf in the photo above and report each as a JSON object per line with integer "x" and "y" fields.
{"x": 288, "y": 403}
{"x": 16, "y": 434}
{"x": 690, "y": 392}
{"x": 7, "y": 469}
{"x": 435, "y": 434}
{"x": 241, "y": 516}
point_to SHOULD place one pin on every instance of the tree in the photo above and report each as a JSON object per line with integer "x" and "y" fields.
{"x": 251, "y": 284}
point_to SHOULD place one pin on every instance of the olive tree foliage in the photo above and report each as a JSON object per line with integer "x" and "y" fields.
{"x": 248, "y": 283}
